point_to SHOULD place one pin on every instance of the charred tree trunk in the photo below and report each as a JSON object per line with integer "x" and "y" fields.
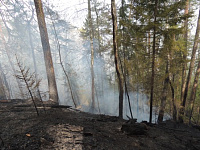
{"x": 192, "y": 63}
{"x": 116, "y": 58}
{"x": 53, "y": 93}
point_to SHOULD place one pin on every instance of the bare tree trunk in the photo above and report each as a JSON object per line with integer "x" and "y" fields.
{"x": 192, "y": 63}
{"x": 53, "y": 93}
{"x": 92, "y": 54}
{"x": 153, "y": 62}
{"x": 116, "y": 56}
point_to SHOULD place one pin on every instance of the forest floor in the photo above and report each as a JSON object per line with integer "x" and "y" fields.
{"x": 70, "y": 129}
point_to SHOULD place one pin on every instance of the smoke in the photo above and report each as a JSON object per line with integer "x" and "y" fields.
{"x": 75, "y": 55}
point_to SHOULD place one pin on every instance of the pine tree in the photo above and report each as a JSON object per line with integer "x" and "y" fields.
{"x": 53, "y": 93}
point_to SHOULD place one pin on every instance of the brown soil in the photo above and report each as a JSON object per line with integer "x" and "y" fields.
{"x": 69, "y": 129}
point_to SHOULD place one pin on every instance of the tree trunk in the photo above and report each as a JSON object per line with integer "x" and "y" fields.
{"x": 194, "y": 89}
{"x": 192, "y": 63}
{"x": 5, "y": 86}
{"x": 98, "y": 29}
{"x": 153, "y": 62}
{"x": 185, "y": 53}
{"x": 53, "y": 93}
{"x": 2, "y": 88}
{"x": 164, "y": 95}
{"x": 116, "y": 58}
{"x": 92, "y": 54}
{"x": 174, "y": 111}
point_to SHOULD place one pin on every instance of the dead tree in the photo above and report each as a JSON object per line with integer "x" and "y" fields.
{"x": 116, "y": 58}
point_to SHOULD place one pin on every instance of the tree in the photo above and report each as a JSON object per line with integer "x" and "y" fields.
{"x": 192, "y": 63}
{"x": 4, "y": 84}
{"x": 92, "y": 54}
{"x": 61, "y": 63}
{"x": 196, "y": 78}
{"x": 194, "y": 91}
{"x": 116, "y": 58}
{"x": 53, "y": 93}
{"x": 164, "y": 95}
{"x": 123, "y": 46}
{"x": 29, "y": 79}
{"x": 185, "y": 52}
{"x": 153, "y": 61}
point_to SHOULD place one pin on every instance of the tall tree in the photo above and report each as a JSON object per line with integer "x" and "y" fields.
{"x": 116, "y": 58}
{"x": 153, "y": 60}
{"x": 53, "y": 93}
{"x": 185, "y": 51}
{"x": 92, "y": 53}
{"x": 195, "y": 83}
{"x": 192, "y": 63}
{"x": 194, "y": 90}
{"x": 164, "y": 94}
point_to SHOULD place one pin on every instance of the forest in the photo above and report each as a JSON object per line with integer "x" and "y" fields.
{"x": 133, "y": 59}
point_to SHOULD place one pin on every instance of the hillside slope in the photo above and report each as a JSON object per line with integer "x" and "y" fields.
{"x": 69, "y": 129}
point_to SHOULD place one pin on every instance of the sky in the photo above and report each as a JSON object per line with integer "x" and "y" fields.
{"x": 74, "y": 11}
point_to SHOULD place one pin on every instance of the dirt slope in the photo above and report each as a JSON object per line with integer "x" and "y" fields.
{"x": 68, "y": 129}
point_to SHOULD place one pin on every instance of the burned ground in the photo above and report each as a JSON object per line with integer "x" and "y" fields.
{"x": 67, "y": 129}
